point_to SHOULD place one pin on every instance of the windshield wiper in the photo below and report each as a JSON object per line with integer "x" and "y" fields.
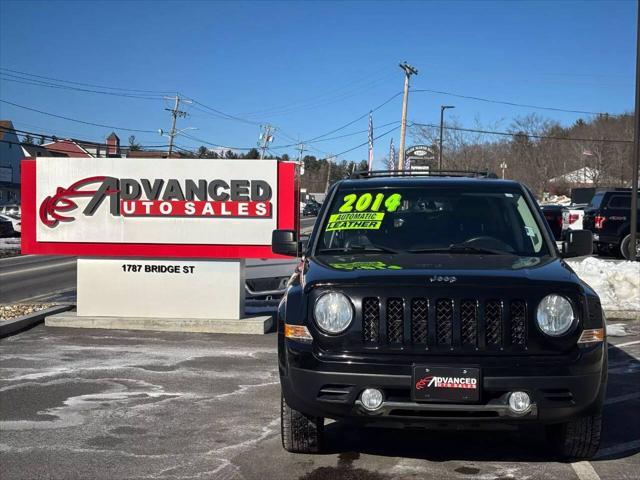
{"x": 360, "y": 248}
{"x": 374, "y": 248}
{"x": 459, "y": 248}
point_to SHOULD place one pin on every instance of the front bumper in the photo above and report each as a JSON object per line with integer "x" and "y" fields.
{"x": 560, "y": 389}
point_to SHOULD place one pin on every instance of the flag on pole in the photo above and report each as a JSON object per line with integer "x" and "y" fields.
{"x": 370, "y": 141}
{"x": 391, "y": 164}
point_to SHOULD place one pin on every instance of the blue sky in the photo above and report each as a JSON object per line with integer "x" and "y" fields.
{"x": 310, "y": 67}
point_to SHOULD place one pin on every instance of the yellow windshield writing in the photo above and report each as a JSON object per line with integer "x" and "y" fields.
{"x": 355, "y": 221}
{"x": 367, "y": 202}
{"x": 365, "y": 266}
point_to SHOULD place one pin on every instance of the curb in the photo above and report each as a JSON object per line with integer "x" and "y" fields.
{"x": 9, "y": 327}
{"x": 254, "y": 325}
{"x": 622, "y": 314}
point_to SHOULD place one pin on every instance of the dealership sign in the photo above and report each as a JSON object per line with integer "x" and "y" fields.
{"x": 175, "y": 208}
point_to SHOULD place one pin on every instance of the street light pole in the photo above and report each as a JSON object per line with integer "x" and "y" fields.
{"x": 408, "y": 71}
{"x": 636, "y": 153}
{"x": 503, "y": 166}
{"x": 442, "y": 109}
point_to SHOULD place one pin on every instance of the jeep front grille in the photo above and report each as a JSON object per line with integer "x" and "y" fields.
{"x": 445, "y": 323}
{"x": 419, "y": 320}
{"x": 469, "y": 322}
{"x": 493, "y": 322}
{"x": 395, "y": 320}
{"x": 371, "y": 319}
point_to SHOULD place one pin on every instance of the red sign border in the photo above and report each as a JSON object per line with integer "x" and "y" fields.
{"x": 287, "y": 218}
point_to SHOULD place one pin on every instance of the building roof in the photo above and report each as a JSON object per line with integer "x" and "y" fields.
{"x": 113, "y": 135}
{"x": 42, "y": 151}
{"x": 6, "y": 125}
{"x": 68, "y": 147}
{"x": 582, "y": 175}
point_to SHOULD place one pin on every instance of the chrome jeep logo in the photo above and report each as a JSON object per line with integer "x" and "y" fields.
{"x": 445, "y": 279}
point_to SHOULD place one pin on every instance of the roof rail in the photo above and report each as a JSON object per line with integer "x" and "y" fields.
{"x": 423, "y": 173}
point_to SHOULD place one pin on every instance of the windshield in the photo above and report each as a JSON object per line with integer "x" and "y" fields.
{"x": 427, "y": 219}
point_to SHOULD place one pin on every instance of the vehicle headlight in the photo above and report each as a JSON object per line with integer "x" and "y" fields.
{"x": 333, "y": 312}
{"x": 555, "y": 315}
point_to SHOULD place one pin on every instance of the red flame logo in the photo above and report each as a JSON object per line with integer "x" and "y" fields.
{"x": 52, "y": 206}
{"x": 423, "y": 382}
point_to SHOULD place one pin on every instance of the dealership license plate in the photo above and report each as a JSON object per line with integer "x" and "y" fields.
{"x": 445, "y": 384}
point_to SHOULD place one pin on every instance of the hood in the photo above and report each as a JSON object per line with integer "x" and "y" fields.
{"x": 435, "y": 268}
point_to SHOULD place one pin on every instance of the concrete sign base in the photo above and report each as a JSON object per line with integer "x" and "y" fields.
{"x": 162, "y": 295}
{"x": 252, "y": 325}
{"x": 144, "y": 288}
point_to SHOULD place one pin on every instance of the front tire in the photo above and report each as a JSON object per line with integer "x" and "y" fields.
{"x": 300, "y": 433}
{"x": 578, "y": 439}
{"x": 624, "y": 246}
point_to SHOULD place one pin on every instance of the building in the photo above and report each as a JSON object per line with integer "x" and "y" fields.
{"x": 33, "y": 151}
{"x": 10, "y": 156}
{"x": 585, "y": 176}
{"x": 80, "y": 148}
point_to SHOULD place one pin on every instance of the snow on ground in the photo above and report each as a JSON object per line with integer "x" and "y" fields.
{"x": 617, "y": 283}
{"x": 617, "y": 330}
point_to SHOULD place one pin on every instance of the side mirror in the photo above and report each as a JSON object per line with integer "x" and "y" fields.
{"x": 578, "y": 243}
{"x": 284, "y": 242}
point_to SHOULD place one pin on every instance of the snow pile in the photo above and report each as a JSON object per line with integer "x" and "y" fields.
{"x": 617, "y": 283}
{"x": 617, "y": 330}
{"x": 556, "y": 200}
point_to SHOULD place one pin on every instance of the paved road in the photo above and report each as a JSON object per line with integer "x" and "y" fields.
{"x": 35, "y": 277}
{"x": 46, "y": 278}
{"x": 90, "y": 404}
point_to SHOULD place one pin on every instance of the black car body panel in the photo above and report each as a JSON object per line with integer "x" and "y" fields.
{"x": 608, "y": 216}
{"x": 553, "y": 216}
{"x": 439, "y": 309}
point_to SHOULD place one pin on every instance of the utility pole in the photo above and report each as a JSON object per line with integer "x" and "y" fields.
{"x": 175, "y": 113}
{"x": 301, "y": 149}
{"x": 442, "y": 109}
{"x": 633, "y": 249}
{"x": 266, "y": 138}
{"x": 408, "y": 71}
{"x": 326, "y": 186}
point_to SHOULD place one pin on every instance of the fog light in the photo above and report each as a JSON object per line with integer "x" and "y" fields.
{"x": 519, "y": 402}
{"x": 371, "y": 398}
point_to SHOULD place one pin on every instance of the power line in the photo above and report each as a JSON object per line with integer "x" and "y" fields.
{"x": 336, "y": 137}
{"x": 161, "y": 92}
{"x": 223, "y": 114}
{"x": 205, "y": 142}
{"x": 39, "y": 83}
{"x": 329, "y": 94}
{"x": 354, "y": 121}
{"x": 80, "y": 142}
{"x": 76, "y": 120}
{"x": 365, "y": 143}
{"x": 530, "y": 135}
{"x": 503, "y": 102}
{"x": 329, "y": 101}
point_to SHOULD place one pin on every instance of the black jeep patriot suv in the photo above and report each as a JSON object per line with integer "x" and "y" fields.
{"x": 423, "y": 300}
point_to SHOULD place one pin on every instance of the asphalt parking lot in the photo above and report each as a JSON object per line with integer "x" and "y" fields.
{"x": 91, "y": 404}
